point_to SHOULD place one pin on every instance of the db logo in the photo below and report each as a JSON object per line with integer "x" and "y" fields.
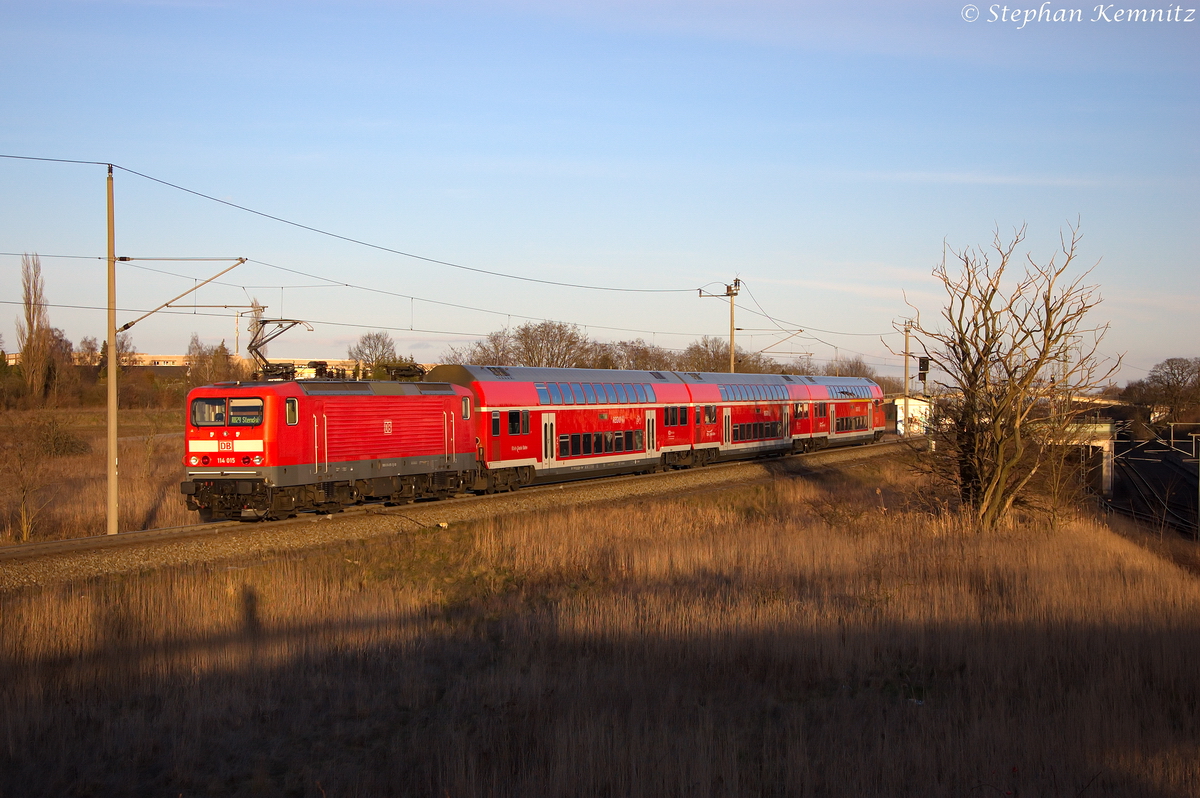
{"x": 225, "y": 446}
{"x": 387, "y": 428}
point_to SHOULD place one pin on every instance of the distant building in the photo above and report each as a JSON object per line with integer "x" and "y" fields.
{"x": 920, "y": 409}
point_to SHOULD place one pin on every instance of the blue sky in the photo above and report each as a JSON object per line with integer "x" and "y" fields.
{"x": 822, "y": 153}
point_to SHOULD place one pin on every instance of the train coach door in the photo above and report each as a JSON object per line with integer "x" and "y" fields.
{"x": 651, "y": 438}
{"x": 320, "y": 442}
{"x": 548, "y": 441}
{"x": 727, "y": 427}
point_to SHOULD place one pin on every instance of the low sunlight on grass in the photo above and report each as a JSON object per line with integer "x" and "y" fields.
{"x": 798, "y": 638}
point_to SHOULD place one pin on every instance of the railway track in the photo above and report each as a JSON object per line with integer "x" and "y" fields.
{"x": 29, "y": 563}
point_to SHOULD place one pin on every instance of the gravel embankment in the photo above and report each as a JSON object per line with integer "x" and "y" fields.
{"x": 253, "y": 541}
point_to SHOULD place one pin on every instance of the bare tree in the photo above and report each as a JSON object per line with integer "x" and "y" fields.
{"x": 550, "y": 344}
{"x": 209, "y": 364}
{"x": 712, "y": 354}
{"x": 33, "y": 328}
{"x": 126, "y": 352}
{"x": 373, "y": 350}
{"x": 496, "y": 349}
{"x": 1173, "y": 384}
{"x": 850, "y": 367}
{"x": 635, "y": 354}
{"x": 88, "y": 351}
{"x": 1013, "y": 348}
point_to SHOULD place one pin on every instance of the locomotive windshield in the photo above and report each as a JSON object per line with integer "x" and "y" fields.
{"x": 239, "y": 413}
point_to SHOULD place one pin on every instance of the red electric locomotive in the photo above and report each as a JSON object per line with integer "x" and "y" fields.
{"x": 270, "y": 449}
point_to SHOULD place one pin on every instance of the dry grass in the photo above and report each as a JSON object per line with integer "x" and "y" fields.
{"x": 753, "y": 642}
{"x": 72, "y": 496}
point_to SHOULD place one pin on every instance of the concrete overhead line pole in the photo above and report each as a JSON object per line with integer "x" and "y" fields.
{"x": 907, "y": 333}
{"x": 113, "y": 359}
{"x": 730, "y": 291}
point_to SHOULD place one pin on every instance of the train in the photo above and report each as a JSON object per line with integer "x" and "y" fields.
{"x": 272, "y": 449}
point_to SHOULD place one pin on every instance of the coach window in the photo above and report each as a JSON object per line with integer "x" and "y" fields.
{"x": 466, "y": 411}
{"x": 629, "y": 440}
{"x": 638, "y": 391}
{"x": 524, "y": 422}
{"x": 575, "y": 445}
{"x": 514, "y": 422}
{"x": 589, "y": 393}
{"x": 670, "y": 416}
{"x": 543, "y": 394}
{"x": 564, "y": 445}
{"x": 650, "y": 393}
{"x": 577, "y": 390}
{"x": 568, "y": 398}
{"x": 683, "y": 416}
{"x": 495, "y": 423}
{"x": 293, "y": 412}
{"x": 608, "y": 443}
{"x": 245, "y": 412}
{"x": 598, "y": 442}
{"x": 620, "y": 393}
{"x": 618, "y": 442}
{"x": 639, "y": 439}
{"x": 555, "y": 396}
{"x": 587, "y": 443}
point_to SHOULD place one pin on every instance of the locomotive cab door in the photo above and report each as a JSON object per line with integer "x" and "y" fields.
{"x": 548, "y": 441}
{"x": 320, "y": 441}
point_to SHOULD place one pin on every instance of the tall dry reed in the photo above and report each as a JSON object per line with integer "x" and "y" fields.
{"x": 792, "y": 639}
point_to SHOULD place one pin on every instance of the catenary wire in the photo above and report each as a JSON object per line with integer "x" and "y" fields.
{"x": 353, "y": 240}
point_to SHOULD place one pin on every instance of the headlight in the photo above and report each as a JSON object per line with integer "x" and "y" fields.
{"x": 258, "y": 459}
{"x": 194, "y": 460}
{"x": 246, "y": 460}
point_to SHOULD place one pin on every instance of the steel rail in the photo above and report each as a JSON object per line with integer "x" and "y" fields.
{"x": 164, "y": 535}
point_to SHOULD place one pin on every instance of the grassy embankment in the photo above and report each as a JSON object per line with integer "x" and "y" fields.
{"x": 69, "y": 491}
{"x": 791, "y": 639}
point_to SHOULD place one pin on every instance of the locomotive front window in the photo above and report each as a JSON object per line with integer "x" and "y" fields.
{"x": 208, "y": 412}
{"x": 245, "y": 412}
